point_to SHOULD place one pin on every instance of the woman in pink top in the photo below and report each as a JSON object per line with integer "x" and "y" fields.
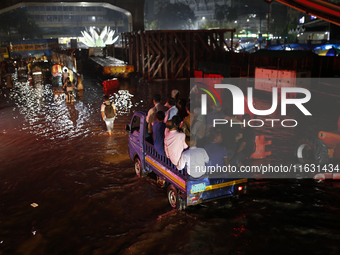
{"x": 174, "y": 141}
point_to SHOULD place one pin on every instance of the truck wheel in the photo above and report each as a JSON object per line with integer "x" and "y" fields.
{"x": 174, "y": 198}
{"x": 139, "y": 168}
{"x": 312, "y": 151}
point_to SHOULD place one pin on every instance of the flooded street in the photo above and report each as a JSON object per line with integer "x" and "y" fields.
{"x": 66, "y": 187}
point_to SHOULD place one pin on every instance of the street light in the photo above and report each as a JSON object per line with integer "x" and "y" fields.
{"x": 268, "y": 2}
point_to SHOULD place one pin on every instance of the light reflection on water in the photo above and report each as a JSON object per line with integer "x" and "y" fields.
{"x": 90, "y": 201}
{"x": 48, "y": 115}
{"x": 122, "y": 100}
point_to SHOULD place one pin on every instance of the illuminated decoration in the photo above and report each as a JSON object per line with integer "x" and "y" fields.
{"x": 94, "y": 38}
{"x": 302, "y": 20}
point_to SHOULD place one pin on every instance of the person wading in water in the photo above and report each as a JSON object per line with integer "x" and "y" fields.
{"x": 108, "y": 111}
{"x": 68, "y": 86}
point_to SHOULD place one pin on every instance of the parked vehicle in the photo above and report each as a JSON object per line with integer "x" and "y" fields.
{"x": 321, "y": 148}
{"x": 22, "y": 70}
{"x": 35, "y": 48}
{"x": 182, "y": 190}
{"x": 40, "y": 72}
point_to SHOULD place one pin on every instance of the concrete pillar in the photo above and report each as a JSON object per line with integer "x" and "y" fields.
{"x": 9, "y": 81}
{"x": 80, "y": 85}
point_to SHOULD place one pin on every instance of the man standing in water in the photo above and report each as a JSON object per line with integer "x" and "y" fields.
{"x": 68, "y": 86}
{"x": 108, "y": 111}
{"x": 64, "y": 76}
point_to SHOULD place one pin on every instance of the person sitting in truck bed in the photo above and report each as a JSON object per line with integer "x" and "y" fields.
{"x": 158, "y": 130}
{"x": 175, "y": 95}
{"x": 186, "y": 124}
{"x": 246, "y": 144}
{"x": 151, "y": 117}
{"x": 194, "y": 159}
{"x": 217, "y": 152}
{"x": 182, "y": 110}
{"x": 199, "y": 126}
{"x": 174, "y": 141}
{"x": 231, "y": 134}
{"x": 216, "y": 113}
{"x": 172, "y": 111}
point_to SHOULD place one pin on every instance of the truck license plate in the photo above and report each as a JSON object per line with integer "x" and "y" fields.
{"x": 198, "y": 188}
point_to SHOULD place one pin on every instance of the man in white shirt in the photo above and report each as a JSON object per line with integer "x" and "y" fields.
{"x": 151, "y": 117}
{"x": 174, "y": 141}
{"x": 169, "y": 114}
{"x": 195, "y": 159}
{"x": 64, "y": 76}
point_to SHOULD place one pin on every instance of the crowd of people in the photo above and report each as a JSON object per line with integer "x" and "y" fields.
{"x": 179, "y": 131}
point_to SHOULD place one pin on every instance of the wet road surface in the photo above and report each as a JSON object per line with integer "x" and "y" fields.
{"x": 89, "y": 201}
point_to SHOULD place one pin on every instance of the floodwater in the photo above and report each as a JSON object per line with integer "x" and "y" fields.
{"x": 66, "y": 187}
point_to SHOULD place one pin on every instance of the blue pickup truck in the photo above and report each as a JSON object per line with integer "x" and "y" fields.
{"x": 182, "y": 190}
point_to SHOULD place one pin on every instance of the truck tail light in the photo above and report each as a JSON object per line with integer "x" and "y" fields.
{"x": 241, "y": 189}
{"x": 193, "y": 199}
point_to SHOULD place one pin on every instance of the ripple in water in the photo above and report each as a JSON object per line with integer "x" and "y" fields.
{"x": 48, "y": 115}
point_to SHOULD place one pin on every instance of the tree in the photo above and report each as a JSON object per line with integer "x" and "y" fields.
{"x": 208, "y": 24}
{"x": 225, "y": 13}
{"x": 154, "y": 25}
{"x": 19, "y": 22}
{"x": 291, "y": 26}
{"x": 175, "y": 16}
{"x": 232, "y": 14}
{"x": 221, "y": 25}
{"x": 220, "y": 12}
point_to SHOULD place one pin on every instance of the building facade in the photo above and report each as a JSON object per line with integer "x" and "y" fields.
{"x": 69, "y": 21}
